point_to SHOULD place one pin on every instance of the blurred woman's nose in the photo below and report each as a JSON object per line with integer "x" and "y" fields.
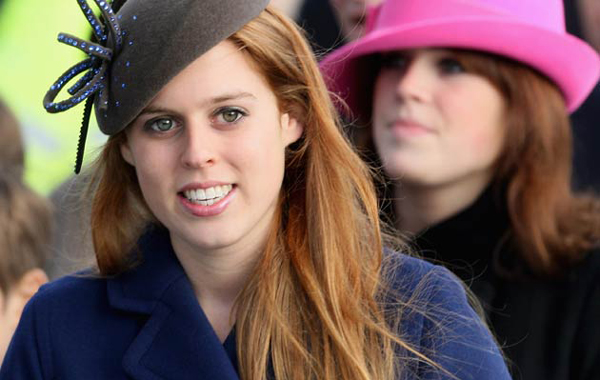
{"x": 198, "y": 150}
{"x": 415, "y": 82}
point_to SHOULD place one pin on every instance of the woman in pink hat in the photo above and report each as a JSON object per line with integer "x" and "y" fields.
{"x": 468, "y": 106}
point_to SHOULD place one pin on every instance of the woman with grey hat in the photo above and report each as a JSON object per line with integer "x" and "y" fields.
{"x": 236, "y": 232}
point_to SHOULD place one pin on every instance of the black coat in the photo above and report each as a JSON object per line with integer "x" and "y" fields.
{"x": 549, "y": 329}
{"x": 586, "y": 137}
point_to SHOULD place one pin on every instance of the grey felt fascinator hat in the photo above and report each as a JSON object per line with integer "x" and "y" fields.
{"x": 140, "y": 45}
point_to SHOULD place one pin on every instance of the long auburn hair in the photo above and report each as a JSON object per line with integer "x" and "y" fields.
{"x": 551, "y": 227}
{"x": 313, "y": 307}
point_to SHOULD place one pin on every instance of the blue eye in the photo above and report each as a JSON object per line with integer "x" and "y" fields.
{"x": 230, "y": 115}
{"x": 451, "y": 66}
{"x": 161, "y": 125}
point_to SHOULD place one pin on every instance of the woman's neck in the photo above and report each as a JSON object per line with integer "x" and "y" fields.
{"x": 418, "y": 207}
{"x": 217, "y": 278}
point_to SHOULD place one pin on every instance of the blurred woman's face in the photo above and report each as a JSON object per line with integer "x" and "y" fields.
{"x": 209, "y": 153}
{"x": 434, "y": 124}
{"x": 589, "y": 14}
{"x": 351, "y": 16}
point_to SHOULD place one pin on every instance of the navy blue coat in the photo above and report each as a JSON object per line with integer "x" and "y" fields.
{"x": 147, "y": 324}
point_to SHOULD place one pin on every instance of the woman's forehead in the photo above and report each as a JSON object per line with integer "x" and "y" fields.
{"x": 224, "y": 73}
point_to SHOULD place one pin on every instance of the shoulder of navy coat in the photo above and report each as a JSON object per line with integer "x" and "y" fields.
{"x": 440, "y": 323}
{"x": 147, "y": 324}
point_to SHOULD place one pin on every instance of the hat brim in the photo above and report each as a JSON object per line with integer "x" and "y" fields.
{"x": 569, "y": 62}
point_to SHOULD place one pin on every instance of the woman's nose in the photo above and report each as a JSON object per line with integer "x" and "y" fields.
{"x": 199, "y": 147}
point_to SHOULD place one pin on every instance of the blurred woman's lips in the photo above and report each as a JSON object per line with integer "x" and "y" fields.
{"x": 407, "y": 128}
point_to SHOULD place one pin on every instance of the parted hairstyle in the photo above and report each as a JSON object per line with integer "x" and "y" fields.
{"x": 552, "y": 228}
{"x": 25, "y": 230}
{"x": 12, "y": 156}
{"x": 313, "y": 304}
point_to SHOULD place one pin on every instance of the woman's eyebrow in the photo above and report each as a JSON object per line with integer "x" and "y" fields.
{"x": 154, "y": 109}
{"x": 231, "y": 96}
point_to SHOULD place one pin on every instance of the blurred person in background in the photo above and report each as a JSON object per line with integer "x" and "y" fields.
{"x": 467, "y": 104}
{"x": 289, "y": 7}
{"x": 71, "y": 247}
{"x": 583, "y": 20}
{"x": 25, "y": 228}
{"x": 330, "y": 23}
{"x": 317, "y": 18}
{"x": 350, "y": 15}
{"x": 589, "y": 14}
{"x": 12, "y": 156}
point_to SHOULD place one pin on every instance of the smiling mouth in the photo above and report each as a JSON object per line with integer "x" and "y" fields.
{"x": 208, "y": 196}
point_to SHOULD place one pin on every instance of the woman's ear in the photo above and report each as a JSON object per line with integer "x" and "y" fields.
{"x": 291, "y": 128}
{"x": 126, "y": 153}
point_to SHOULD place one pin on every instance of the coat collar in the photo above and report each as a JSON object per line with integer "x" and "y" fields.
{"x": 474, "y": 240}
{"x": 176, "y": 341}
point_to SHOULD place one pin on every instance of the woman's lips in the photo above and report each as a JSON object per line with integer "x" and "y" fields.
{"x": 206, "y": 207}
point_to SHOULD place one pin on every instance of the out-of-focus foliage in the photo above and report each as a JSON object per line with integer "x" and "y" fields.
{"x": 31, "y": 59}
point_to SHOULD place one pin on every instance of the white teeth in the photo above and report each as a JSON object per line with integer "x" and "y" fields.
{"x": 207, "y": 197}
{"x": 210, "y": 193}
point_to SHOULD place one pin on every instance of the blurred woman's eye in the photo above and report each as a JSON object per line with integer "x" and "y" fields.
{"x": 161, "y": 125}
{"x": 451, "y": 66}
{"x": 229, "y": 115}
{"x": 394, "y": 61}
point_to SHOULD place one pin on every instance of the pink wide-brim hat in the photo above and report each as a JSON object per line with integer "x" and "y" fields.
{"x": 529, "y": 31}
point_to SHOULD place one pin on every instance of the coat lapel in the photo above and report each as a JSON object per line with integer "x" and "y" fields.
{"x": 177, "y": 341}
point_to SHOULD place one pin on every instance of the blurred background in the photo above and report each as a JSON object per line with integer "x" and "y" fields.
{"x": 31, "y": 60}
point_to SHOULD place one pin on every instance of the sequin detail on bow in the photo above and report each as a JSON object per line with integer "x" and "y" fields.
{"x": 100, "y": 55}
